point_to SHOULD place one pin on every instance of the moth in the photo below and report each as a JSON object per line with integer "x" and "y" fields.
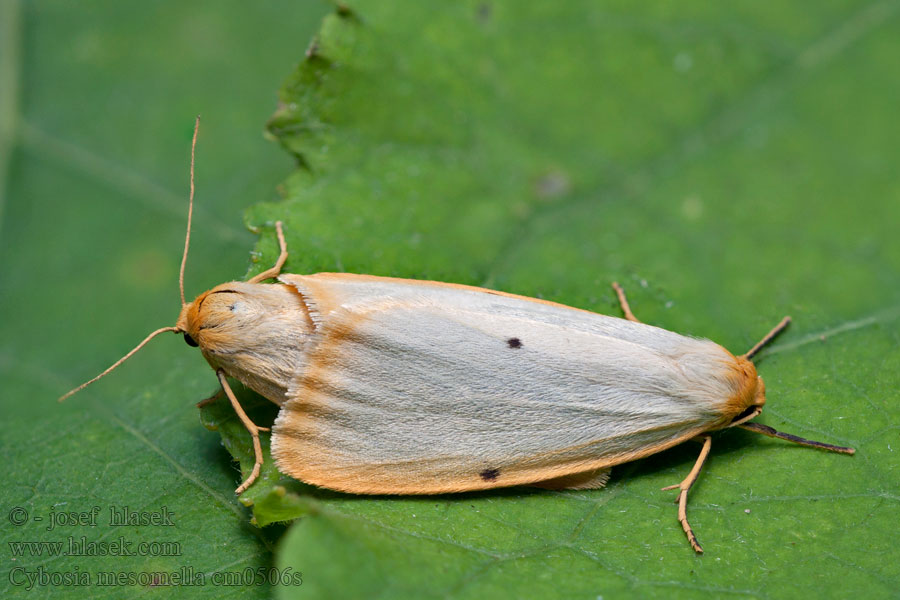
{"x": 400, "y": 386}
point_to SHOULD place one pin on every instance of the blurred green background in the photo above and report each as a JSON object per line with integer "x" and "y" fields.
{"x": 728, "y": 163}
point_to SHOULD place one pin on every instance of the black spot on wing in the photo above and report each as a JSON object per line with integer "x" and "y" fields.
{"x": 490, "y": 474}
{"x": 514, "y": 342}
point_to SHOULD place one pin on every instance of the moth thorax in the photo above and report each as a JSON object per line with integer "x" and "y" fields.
{"x": 257, "y": 333}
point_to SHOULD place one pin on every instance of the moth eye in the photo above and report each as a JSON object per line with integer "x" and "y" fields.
{"x": 190, "y": 341}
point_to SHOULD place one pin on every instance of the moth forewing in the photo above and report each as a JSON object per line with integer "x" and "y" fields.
{"x": 416, "y": 387}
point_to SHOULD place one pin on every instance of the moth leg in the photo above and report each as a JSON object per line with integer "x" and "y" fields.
{"x": 624, "y": 302}
{"x": 685, "y": 485}
{"x": 251, "y": 427}
{"x": 276, "y": 270}
{"x": 589, "y": 480}
{"x": 211, "y": 399}
{"x": 767, "y": 338}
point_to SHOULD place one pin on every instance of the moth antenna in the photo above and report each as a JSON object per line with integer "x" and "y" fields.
{"x": 187, "y": 236}
{"x": 118, "y": 362}
{"x": 766, "y": 430}
{"x": 768, "y": 338}
{"x": 187, "y": 243}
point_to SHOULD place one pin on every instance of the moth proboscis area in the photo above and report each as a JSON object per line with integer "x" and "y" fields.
{"x": 400, "y": 386}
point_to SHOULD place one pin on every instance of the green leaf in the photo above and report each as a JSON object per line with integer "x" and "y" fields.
{"x": 728, "y": 165}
